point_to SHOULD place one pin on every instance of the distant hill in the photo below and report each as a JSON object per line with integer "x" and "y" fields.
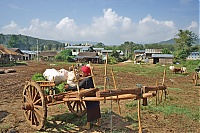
{"x": 171, "y": 41}
{"x": 29, "y": 43}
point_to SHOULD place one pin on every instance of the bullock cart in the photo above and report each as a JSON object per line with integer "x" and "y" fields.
{"x": 36, "y": 100}
{"x": 38, "y": 95}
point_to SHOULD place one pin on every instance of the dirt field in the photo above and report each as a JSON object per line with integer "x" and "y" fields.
{"x": 186, "y": 95}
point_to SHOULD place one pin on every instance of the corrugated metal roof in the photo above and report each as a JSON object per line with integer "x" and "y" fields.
{"x": 98, "y": 48}
{"x": 162, "y": 55}
{"x": 194, "y": 52}
{"x": 83, "y": 57}
{"x": 153, "y": 51}
{"x": 28, "y": 52}
{"x": 77, "y": 47}
{"x": 139, "y": 51}
{"x": 106, "y": 51}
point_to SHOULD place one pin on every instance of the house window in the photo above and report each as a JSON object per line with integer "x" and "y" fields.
{"x": 74, "y": 50}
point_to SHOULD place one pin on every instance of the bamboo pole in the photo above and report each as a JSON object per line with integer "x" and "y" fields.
{"x": 92, "y": 74}
{"x": 116, "y": 89}
{"x": 139, "y": 118}
{"x": 105, "y": 76}
{"x": 77, "y": 82}
{"x": 157, "y": 93}
{"x": 163, "y": 81}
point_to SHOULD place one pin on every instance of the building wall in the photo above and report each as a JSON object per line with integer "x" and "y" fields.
{"x": 194, "y": 56}
{"x": 165, "y": 60}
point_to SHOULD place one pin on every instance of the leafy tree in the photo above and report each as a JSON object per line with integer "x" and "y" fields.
{"x": 115, "y": 54}
{"x": 185, "y": 39}
{"x": 183, "y": 43}
{"x": 2, "y": 38}
{"x": 13, "y": 42}
{"x": 99, "y": 45}
{"x": 166, "y": 51}
{"x": 64, "y": 55}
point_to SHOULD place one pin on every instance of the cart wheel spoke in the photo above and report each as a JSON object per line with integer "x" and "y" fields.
{"x": 74, "y": 105}
{"x": 80, "y": 107}
{"x": 37, "y": 117}
{"x": 26, "y": 98}
{"x": 38, "y": 111}
{"x": 37, "y": 101}
{"x": 77, "y": 107}
{"x": 35, "y": 96}
{"x": 83, "y": 105}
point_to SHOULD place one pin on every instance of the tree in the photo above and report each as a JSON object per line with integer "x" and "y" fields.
{"x": 99, "y": 45}
{"x": 13, "y": 42}
{"x": 115, "y": 54}
{"x": 64, "y": 55}
{"x": 166, "y": 51}
{"x": 185, "y": 39}
{"x": 183, "y": 43}
{"x": 2, "y": 38}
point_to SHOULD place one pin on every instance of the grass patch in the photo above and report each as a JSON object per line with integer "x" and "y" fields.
{"x": 174, "y": 109}
{"x": 132, "y": 117}
{"x": 175, "y": 89}
{"x": 13, "y": 64}
{"x": 143, "y": 70}
{"x": 131, "y": 104}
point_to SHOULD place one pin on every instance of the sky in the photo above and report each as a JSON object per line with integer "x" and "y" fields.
{"x": 111, "y": 22}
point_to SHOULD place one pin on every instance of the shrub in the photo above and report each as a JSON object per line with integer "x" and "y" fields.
{"x": 38, "y": 77}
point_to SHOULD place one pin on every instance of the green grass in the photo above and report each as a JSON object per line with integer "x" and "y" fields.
{"x": 13, "y": 64}
{"x": 175, "y": 109}
{"x": 175, "y": 89}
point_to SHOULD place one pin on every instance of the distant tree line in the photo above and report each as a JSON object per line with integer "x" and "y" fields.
{"x": 181, "y": 48}
{"x": 183, "y": 45}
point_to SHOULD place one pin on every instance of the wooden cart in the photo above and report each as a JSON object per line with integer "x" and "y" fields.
{"x": 36, "y": 99}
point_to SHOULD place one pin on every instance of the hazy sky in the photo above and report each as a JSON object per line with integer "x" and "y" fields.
{"x": 111, "y": 22}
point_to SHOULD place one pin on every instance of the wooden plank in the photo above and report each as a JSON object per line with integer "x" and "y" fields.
{"x": 154, "y": 88}
{"x": 114, "y": 92}
{"x": 88, "y": 92}
{"x": 120, "y": 97}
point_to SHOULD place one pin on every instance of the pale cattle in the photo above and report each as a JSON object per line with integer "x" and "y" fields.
{"x": 183, "y": 69}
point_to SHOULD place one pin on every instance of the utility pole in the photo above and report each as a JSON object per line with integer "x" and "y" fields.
{"x": 37, "y": 51}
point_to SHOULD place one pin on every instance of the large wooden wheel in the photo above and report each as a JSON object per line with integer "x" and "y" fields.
{"x": 34, "y": 105}
{"x": 77, "y": 107}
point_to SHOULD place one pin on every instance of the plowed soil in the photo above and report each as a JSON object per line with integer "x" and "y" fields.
{"x": 13, "y": 120}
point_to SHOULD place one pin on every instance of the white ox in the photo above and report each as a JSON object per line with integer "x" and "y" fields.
{"x": 54, "y": 75}
{"x": 63, "y": 72}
